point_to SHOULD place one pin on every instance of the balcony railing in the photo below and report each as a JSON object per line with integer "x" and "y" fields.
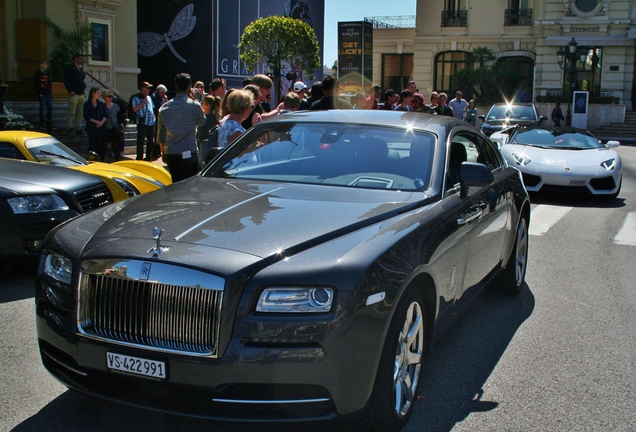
{"x": 404, "y": 21}
{"x": 518, "y": 17}
{"x": 455, "y": 18}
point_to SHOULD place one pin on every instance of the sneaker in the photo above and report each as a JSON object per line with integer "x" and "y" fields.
{"x": 70, "y": 132}
{"x": 81, "y": 132}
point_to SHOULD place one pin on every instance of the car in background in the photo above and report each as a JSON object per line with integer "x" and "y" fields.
{"x": 124, "y": 178}
{"x": 502, "y": 115}
{"x": 302, "y": 275}
{"x": 34, "y": 198}
{"x": 563, "y": 159}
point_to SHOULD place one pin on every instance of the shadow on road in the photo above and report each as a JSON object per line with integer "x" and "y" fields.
{"x": 457, "y": 368}
{"x": 574, "y": 200}
{"x": 17, "y": 280}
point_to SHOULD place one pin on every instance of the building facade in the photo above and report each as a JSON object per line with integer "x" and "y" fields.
{"x": 26, "y": 39}
{"x": 525, "y": 34}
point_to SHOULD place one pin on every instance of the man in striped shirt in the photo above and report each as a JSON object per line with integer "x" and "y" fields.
{"x": 143, "y": 106}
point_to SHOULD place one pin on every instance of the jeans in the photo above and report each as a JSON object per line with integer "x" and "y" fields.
{"x": 148, "y": 132}
{"x": 75, "y": 112}
{"x": 46, "y": 101}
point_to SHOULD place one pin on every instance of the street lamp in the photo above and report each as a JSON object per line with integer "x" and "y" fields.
{"x": 567, "y": 62}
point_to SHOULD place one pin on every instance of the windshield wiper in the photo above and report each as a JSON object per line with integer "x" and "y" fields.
{"x": 568, "y": 148}
{"x": 72, "y": 159}
{"x": 532, "y": 145}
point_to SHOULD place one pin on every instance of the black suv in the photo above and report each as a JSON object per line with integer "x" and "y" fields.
{"x": 502, "y": 114}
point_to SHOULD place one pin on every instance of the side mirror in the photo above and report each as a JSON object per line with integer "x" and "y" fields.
{"x": 542, "y": 119}
{"x": 613, "y": 144}
{"x": 473, "y": 174}
{"x": 481, "y": 117}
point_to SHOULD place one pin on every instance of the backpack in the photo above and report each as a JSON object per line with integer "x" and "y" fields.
{"x": 132, "y": 115}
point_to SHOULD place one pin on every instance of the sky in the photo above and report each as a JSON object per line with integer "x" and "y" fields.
{"x": 356, "y": 10}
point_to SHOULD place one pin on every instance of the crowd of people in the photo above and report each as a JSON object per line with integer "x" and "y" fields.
{"x": 185, "y": 129}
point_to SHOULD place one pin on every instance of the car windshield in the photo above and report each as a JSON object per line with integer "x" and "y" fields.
{"x": 348, "y": 155}
{"x": 50, "y": 150}
{"x": 512, "y": 112}
{"x": 557, "y": 139}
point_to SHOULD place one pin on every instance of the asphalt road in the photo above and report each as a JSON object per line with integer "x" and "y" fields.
{"x": 559, "y": 357}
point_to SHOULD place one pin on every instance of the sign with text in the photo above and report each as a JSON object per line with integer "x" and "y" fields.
{"x": 355, "y": 56}
{"x": 201, "y": 37}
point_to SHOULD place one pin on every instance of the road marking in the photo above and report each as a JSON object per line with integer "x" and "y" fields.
{"x": 627, "y": 233}
{"x": 544, "y": 217}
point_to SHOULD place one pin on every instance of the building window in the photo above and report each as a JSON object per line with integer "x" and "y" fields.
{"x": 588, "y": 73}
{"x": 518, "y": 13}
{"x": 100, "y": 49}
{"x": 516, "y": 74}
{"x": 397, "y": 71}
{"x": 454, "y": 14}
{"x": 446, "y": 65}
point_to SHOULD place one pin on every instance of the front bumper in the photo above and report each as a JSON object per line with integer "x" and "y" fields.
{"x": 249, "y": 381}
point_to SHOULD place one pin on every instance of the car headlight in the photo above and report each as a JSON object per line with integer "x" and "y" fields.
{"x": 127, "y": 186}
{"x": 521, "y": 160}
{"x": 609, "y": 164}
{"x": 36, "y": 204}
{"x": 58, "y": 267}
{"x": 295, "y": 300}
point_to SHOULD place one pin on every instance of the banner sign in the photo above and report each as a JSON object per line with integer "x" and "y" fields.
{"x": 355, "y": 56}
{"x": 201, "y": 37}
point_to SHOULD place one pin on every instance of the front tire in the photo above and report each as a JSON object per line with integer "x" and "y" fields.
{"x": 514, "y": 274}
{"x": 395, "y": 389}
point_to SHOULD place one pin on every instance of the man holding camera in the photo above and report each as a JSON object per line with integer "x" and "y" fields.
{"x": 146, "y": 119}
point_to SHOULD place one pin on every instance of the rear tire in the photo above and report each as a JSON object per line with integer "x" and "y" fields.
{"x": 514, "y": 274}
{"x": 396, "y": 383}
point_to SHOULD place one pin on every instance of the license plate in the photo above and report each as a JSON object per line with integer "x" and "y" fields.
{"x": 577, "y": 182}
{"x": 136, "y": 365}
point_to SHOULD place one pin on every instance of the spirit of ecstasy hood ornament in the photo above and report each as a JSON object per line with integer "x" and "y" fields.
{"x": 158, "y": 249}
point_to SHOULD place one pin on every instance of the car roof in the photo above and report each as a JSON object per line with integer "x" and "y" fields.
{"x": 431, "y": 122}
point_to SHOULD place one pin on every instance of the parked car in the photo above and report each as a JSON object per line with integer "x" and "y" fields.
{"x": 124, "y": 178}
{"x": 304, "y": 274}
{"x": 501, "y": 115}
{"x": 563, "y": 159}
{"x": 34, "y": 198}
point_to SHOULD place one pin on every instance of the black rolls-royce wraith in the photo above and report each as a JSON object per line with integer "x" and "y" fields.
{"x": 303, "y": 274}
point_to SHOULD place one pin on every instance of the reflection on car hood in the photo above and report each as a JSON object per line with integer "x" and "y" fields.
{"x": 256, "y": 218}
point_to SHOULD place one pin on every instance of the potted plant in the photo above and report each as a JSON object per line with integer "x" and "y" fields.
{"x": 70, "y": 42}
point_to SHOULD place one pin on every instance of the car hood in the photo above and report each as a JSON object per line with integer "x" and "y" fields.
{"x": 256, "y": 218}
{"x": 32, "y": 178}
{"x": 573, "y": 158}
{"x": 502, "y": 122}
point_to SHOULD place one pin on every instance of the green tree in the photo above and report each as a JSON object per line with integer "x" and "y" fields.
{"x": 70, "y": 42}
{"x": 276, "y": 40}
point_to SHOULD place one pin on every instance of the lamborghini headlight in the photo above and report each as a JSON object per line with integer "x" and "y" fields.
{"x": 521, "y": 160}
{"x": 128, "y": 187}
{"x": 295, "y": 300}
{"x": 58, "y": 267}
{"x": 36, "y": 204}
{"x": 609, "y": 164}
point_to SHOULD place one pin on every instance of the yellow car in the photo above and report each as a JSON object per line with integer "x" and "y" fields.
{"x": 124, "y": 178}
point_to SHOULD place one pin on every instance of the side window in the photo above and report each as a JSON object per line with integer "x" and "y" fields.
{"x": 488, "y": 154}
{"x": 469, "y": 147}
{"x": 9, "y": 151}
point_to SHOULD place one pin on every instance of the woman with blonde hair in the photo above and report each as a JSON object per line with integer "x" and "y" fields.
{"x": 239, "y": 104}
{"x": 114, "y": 127}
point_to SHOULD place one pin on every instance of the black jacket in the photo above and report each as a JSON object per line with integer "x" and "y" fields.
{"x": 74, "y": 80}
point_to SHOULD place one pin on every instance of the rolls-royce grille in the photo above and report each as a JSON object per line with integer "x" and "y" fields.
{"x": 94, "y": 196}
{"x": 150, "y": 315}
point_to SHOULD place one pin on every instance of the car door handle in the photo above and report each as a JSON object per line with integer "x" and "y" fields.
{"x": 470, "y": 216}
